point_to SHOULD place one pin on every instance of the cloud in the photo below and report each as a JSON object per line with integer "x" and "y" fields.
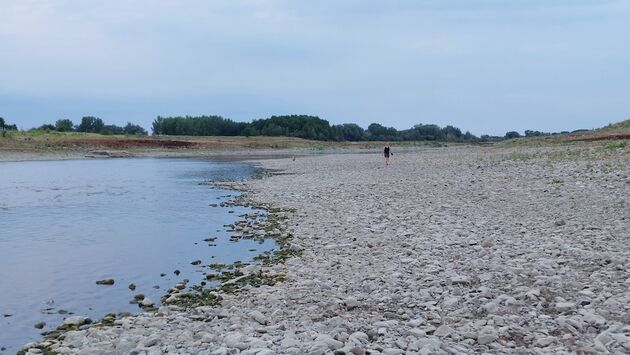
{"x": 484, "y": 65}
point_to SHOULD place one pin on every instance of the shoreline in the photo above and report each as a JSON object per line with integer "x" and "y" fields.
{"x": 229, "y": 278}
{"x": 214, "y": 155}
{"x": 445, "y": 251}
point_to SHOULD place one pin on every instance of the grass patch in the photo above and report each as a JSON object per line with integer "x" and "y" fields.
{"x": 619, "y": 125}
{"x": 200, "y": 297}
{"x": 520, "y": 156}
{"x": 615, "y": 145}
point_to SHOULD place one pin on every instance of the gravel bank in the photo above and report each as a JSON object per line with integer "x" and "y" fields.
{"x": 457, "y": 250}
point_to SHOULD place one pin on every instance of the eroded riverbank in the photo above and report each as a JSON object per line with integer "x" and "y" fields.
{"x": 458, "y": 250}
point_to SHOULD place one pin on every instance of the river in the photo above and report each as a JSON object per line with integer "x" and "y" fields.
{"x": 66, "y": 224}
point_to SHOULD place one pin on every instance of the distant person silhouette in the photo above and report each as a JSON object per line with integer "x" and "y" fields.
{"x": 387, "y": 151}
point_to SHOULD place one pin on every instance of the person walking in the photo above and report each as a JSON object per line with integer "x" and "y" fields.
{"x": 387, "y": 151}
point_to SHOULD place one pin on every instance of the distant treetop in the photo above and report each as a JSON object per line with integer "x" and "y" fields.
{"x": 302, "y": 126}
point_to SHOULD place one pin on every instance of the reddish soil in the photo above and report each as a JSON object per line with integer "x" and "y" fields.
{"x": 132, "y": 143}
{"x": 600, "y": 136}
{"x": 117, "y": 143}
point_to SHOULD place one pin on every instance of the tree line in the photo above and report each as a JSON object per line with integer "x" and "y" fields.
{"x": 304, "y": 126}
{"x": 7, "y": 127}
{"x": 90, "y": 124}
{"x": 530, "y": 133}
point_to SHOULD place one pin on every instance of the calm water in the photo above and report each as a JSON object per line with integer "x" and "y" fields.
{"x": 66, "y": 224}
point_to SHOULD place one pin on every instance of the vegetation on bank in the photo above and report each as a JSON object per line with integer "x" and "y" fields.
{"x": 315, "y": 128}
{"x": 619, "y": 125}
{"x": 90, "y": 124}
{"x": 293, "y": 126}
{"x": 4, "y": 127}
{"x": 304, "y": 126}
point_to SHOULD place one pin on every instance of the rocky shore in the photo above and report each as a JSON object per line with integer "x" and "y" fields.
{"x": 446, "y": 251}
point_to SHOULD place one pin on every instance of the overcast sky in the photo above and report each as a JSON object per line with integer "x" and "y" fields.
{"x": 487, "y": 66}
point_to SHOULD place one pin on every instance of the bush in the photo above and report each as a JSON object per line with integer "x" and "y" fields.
{"x": 512, "y": 134}
{"x": 47, "y": 127}
{"x": 64, "y": 125}
{"x": 134, "y": 129}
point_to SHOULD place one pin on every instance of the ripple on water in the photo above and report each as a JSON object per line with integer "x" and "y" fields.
{"x": 67, "y": 224}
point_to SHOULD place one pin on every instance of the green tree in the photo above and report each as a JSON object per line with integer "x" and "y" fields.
{"x": 90, "y": 124}
{"x": 512, "y": 134}
{"x": 111, "y": 129}
{"x": 450, "y": 133}
{"x": 134, "y": 129}
{"x": 2, "y": 123}
{"x": 377, "y": 131}
{"x": 303, "y": 126}
{"x": 47, "y": 127}
{"x": 64, "y": 125}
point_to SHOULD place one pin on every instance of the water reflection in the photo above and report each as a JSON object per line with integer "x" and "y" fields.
{"x": 66, "y": 224}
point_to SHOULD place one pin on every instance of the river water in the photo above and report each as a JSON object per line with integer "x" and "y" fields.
{"x": 66, "y": 224}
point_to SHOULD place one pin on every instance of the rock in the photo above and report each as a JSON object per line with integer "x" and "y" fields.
{"x": 357, "y": 351}
{"x": 259, "y": 317}
{"x": 486, "y": 337}
{"x": 545, "y": 341}
{"x": 76, "y": 321}
{"x": 195, "y": 262}
{"x": 417, "y": 332}
{"x": 146, "y": 302}
{"x": 138, "y": 297}
{"x": 358, "y": 338}
{"x": 490, "y": 307}
{"x": 40, "y": 325}
{"x": 132, "y": 286}
{"x": 386, "y": 324}
{"x": 235, "y": 340}
{"x": 564, "y": 306}
{"x": 592, "y": 318}
{"x": 587, "y": 293}
{"x": 251, "y": 269}
{"x": 487, "y": 243}
{"x": 351, "y": 303}
{"x": 443, "y": 331}
{"x": 151, "y": 341}
{"x": 331, "y": 344}
{"x": 560, "y": 222}
{"x": 460, "y": 280}
{"x": 108, "y": 282}
{"x": 30, "y": 345}
{"x": 450, "y": 302}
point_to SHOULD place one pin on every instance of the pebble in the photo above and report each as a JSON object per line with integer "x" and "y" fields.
{"x": 450, "y": 250}
{"x": 565, "y": 306}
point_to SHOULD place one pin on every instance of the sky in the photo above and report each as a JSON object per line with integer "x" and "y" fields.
{"x": 486, "y": 66}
